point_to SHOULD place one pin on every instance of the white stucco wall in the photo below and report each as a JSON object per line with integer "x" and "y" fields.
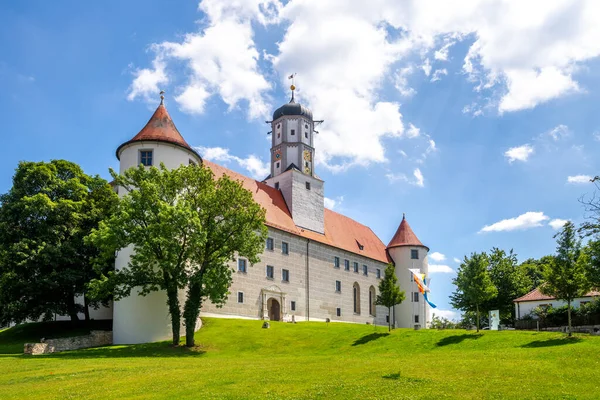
{"x": 141, "y": 319}
{"x": 524, "y": 308}
{"x": 406, "y": 311}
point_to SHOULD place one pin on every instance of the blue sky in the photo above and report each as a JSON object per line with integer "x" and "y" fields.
{"x": 482, "y": 131}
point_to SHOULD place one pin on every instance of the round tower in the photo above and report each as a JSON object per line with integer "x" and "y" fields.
{"x": 141, "y": 319}
{"x": 407, "y": 252}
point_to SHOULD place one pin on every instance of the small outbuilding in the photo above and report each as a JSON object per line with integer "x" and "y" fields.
{"x": 524, "y": 305}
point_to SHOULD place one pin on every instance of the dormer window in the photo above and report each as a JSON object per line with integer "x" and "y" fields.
{"x": 146, "y": 158}
{"x": 360, "y": 246}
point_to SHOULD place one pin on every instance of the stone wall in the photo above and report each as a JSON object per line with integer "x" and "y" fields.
{"x": 94, "y": 339}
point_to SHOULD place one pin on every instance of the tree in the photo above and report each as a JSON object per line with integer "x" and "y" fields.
{"x": 389, "y": 292}
{"x": 565, "y": 275}
{"x": 184, "y": 226}
{"x": 44, "y": 260}
{"x": 473, "y": 285}
{"x": 591, "y": 252}
{"x": 510, "y": 280}
{"x": 534, "y": 270}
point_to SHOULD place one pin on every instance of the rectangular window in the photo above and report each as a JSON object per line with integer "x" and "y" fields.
{"x": 356, "y": 267}
{"x": 378, "y": 273}
{"x": 270, "y": 244}
{"x": 365, "y": 270}
{"x": 240, "y": 297}
{"x": 416, "y": 319}
{"x": 336, "y": 262}
{"x": 347, "y": 265}
{"x": 293, "y": 305}
{"x": 387, "y": 319}
{"x": 277, "y": 164}
{"x": 146, "y": 158}
{"x": 285, "y": 275}
{"x": 241, "y": 265}
{"x": 284, "y": 248}
{"x": 338, "y": 286}
{"x": 277, "y": 185}
{"x": 338, "y": 312}
{"x": 293, "y": 132}
{"x": 307, "y": 185}
{"x": 414, "y": 254}
{"x": 415, "y": 298}
{"x": 270, "y": 271}
{"x": 306, "y": 134}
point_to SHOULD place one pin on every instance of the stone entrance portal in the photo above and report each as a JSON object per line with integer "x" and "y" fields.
{"x": 274, "y": 309}
{"x": 273, "y": 304}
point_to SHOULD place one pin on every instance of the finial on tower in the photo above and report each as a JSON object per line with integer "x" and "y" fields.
{"x": 403, "y": 216}
{"x": 292, "y": 87}
{"x": 162, "y": 97}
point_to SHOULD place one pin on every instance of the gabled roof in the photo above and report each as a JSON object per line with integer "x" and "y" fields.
{"x": 160, "y": 128}
{"x": 340, "y": 231}
{"x": 405, "y": 236}
{"x": 537, "y": 295}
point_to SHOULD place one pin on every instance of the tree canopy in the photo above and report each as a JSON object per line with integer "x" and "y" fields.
{"x": 184, "y": 227}
{"x": 389, "y": 292}
{"x": 44, "y": 260}
{"x": 474, "y": 285}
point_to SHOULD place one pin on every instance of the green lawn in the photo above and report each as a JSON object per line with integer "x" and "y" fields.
{"x": 238, "y": 359}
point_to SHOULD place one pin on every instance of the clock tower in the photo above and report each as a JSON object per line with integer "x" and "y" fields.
{"x": 292, "y": 164}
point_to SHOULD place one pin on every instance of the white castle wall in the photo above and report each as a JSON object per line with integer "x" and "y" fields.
{"x": 406, "y": 311}
{"x": 141, "y": 319}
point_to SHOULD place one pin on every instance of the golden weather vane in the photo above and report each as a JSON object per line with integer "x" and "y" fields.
{"x": 292, "y": 87}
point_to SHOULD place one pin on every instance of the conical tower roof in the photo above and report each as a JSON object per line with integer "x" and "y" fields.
{"x": 160, "y": 128}
{"x": 405, "y": 236}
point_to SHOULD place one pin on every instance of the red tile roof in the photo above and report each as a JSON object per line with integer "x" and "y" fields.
{"x": 160, "y": 128}
{"x": 340, "y": 231}
{"x": 405, "y": 236}
{"x": 537, "y": 295}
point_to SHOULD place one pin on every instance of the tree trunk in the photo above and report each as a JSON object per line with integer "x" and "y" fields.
{"x": 569, "y": 316}
{"x": 191, "y": 311}
{"x": 173, "y": 303}
{"x": 477, "y": 317}
{"x": 389, "y": 319}
{"x": 71, "y": 308}
{"x": 86, "y": 308}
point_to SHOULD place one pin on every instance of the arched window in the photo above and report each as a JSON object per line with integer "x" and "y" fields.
{"x": 372, "y": 298}
{"x": 356, "y": 295}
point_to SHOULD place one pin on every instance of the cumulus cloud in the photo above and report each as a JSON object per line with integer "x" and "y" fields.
{"x": 528, "y": 220}
{"x": 147, "y": 81}
{"x": 333, "y": 203}
{"x": 579, "y": 179}
{"x": 456, "y": 260}
{"x": 437, "y": 75}
{"x": 440, "y": 269}
{"x": 448, "y": 314}
{"x": 417, "y": 179}
{"x": 519, "y": 153}
{"x": 254, "y": 165}
{"x": 557, "y": 223}
{"x": 437, "y": 256}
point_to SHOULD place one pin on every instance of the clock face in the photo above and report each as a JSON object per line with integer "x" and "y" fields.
{"x": 306, "y": 169}
{"x": 307, "y": 156}
{"x": 277, "y": 154}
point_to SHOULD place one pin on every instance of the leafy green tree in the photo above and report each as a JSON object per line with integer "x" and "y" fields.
{"x": 474, "y": 286}
{"x": 511, "y": 281}
{"x": 591, "y": 252}
{"x": 534, "y": 270}
{"x": 44, "y": 261}
{"x": 565, "y": 276}
{"x": 184, "y": 226}
{"x": 389, "y": 292}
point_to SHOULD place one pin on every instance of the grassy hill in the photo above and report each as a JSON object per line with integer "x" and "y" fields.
{"x": 237, "y": 359}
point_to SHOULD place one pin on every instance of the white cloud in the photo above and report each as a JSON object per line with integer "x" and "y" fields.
{"x": 456, "y": 260}
{"x": 254, "y": 165}
{"x": 412, "y": 131}
{"x": 426, "y": 67}
{"x": 437, "y": 75}
{"x": 441, "y": 269}
{"x": 528, "y": 220}
{"x": 579, "y": 179}
{"x": 147, "y": 80}
{"x": 557, "y": 223}
{"x": 448, "y": 314}
{"x": 559, "y": 132}
{"x": 333, "y": 203}
{"x": 442, "y": 53}
{"x": 401, "y": 81}
{"x": 519, "y": 153}
{"x": 437, "y": 256}
{"x": 596, "y": 136}
{"x": 419, "y": 181}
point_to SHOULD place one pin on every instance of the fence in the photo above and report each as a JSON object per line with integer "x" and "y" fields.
{"x": 547, "y": 324}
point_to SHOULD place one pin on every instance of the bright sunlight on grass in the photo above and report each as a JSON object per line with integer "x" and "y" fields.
{"x": 237, "y": 359}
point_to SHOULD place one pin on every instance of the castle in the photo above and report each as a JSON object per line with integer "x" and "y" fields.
{"x": 317, "y": 264}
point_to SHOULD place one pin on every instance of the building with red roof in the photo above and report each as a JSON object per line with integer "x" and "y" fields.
{"x": 525, "y": 304}
{"x": 317, "y": 264}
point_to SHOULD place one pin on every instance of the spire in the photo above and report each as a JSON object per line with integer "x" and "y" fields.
{"x": 160, "y": 128}
{"x": 404, "y": 236}
{"x": 292, "y": 87}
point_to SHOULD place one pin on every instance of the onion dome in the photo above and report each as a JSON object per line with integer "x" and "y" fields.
{"x": 292, "y": 108}
{"x": 405, "y": 236}
{"x": 160, "y": 128}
